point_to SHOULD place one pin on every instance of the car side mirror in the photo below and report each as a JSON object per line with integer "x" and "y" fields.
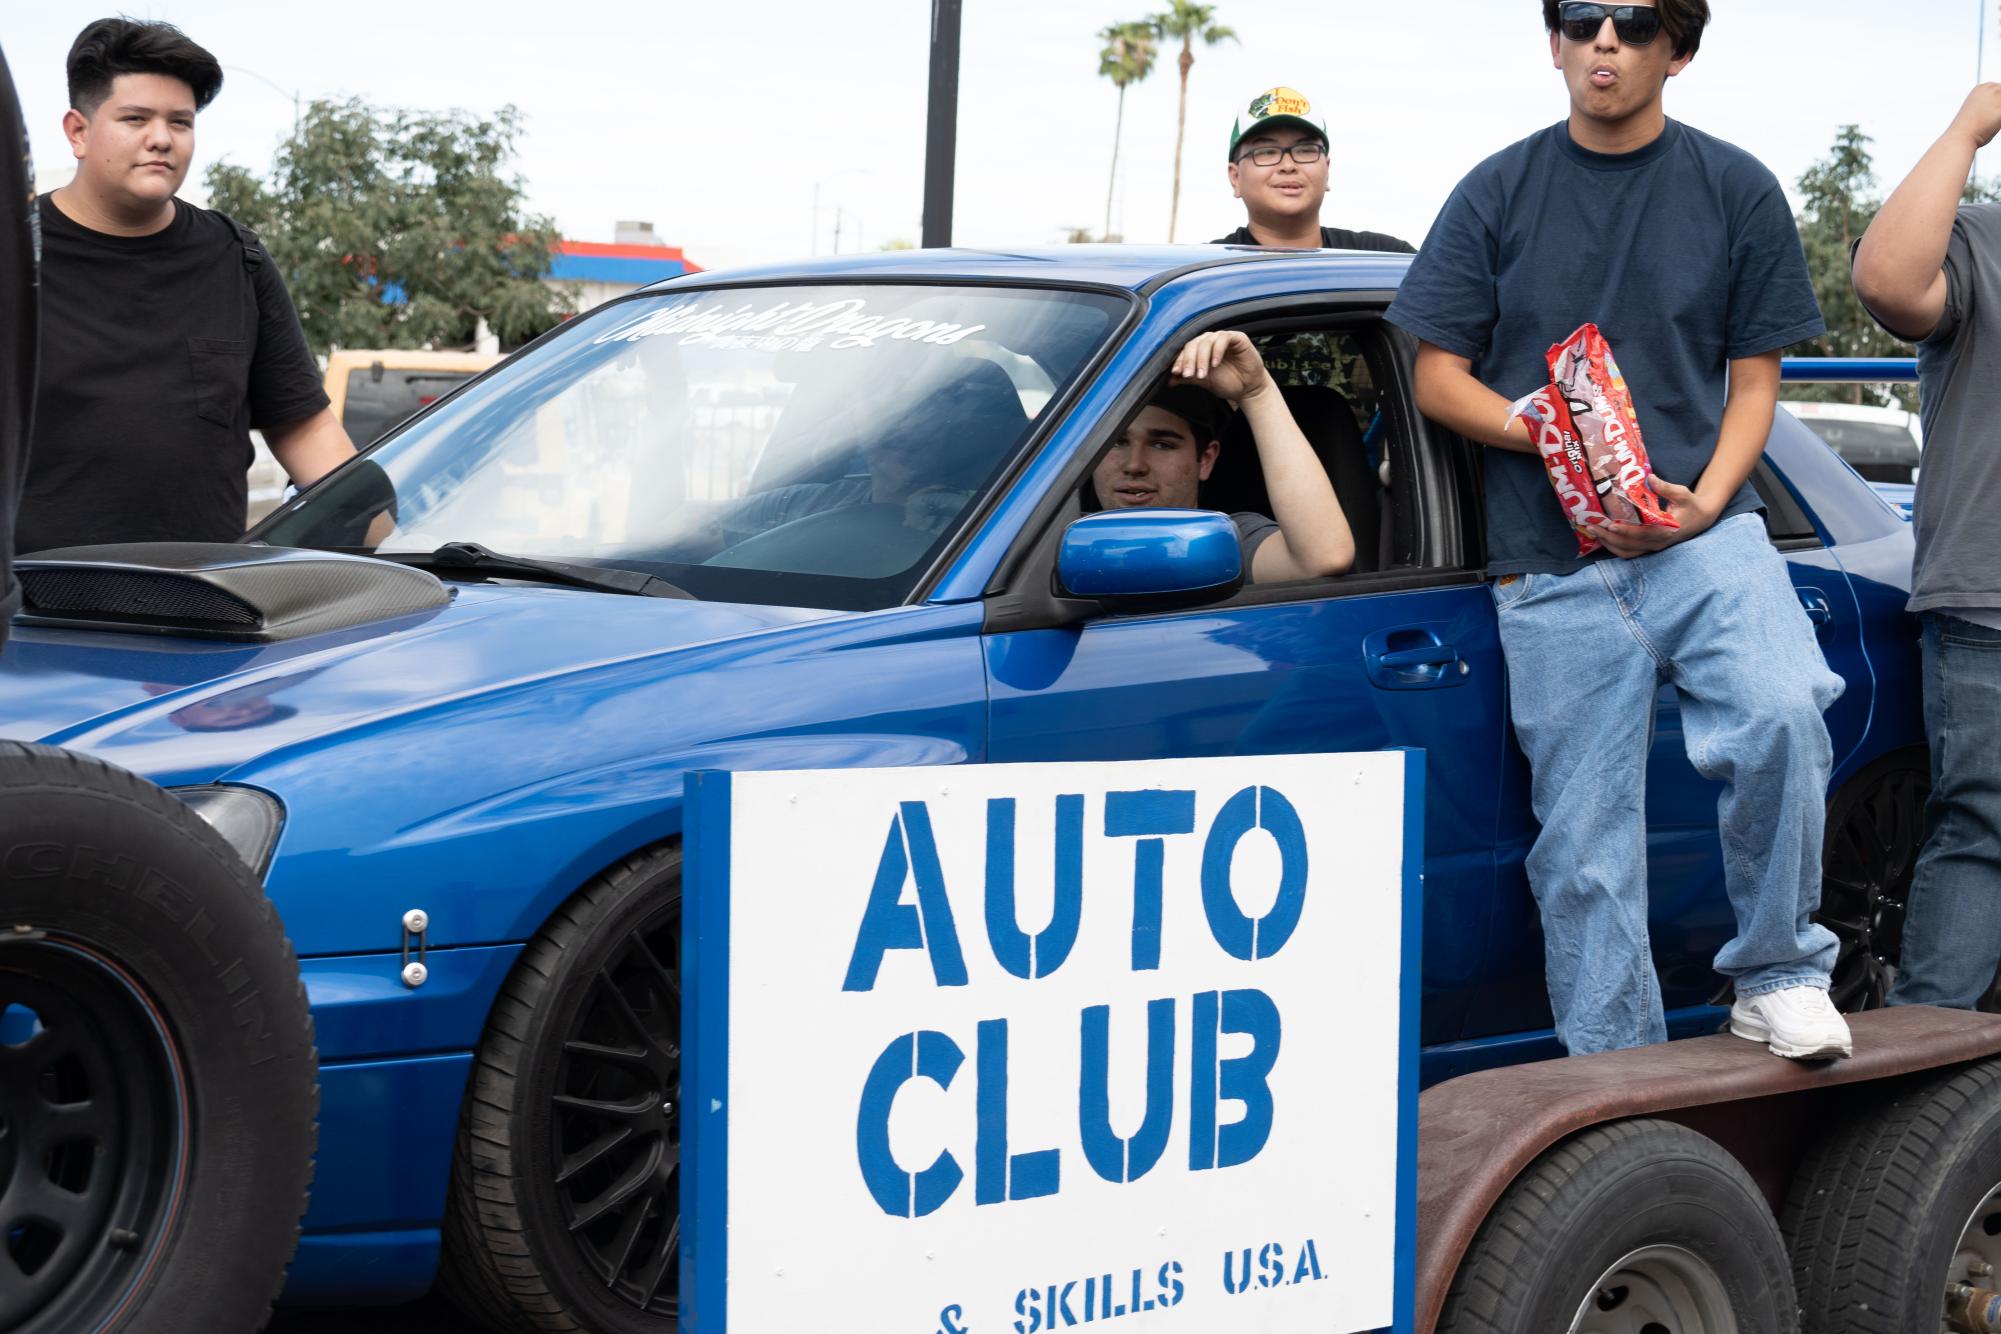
{"x": 1150, "y": 559}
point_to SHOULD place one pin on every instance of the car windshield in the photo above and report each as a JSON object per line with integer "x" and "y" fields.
{"x": 800, "y": 446}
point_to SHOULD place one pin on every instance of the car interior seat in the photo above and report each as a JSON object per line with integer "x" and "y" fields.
{"x": 1328, "y": 422}
{"x": 967, "y": 425}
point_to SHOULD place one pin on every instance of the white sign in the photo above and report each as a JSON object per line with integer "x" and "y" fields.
{"x": 1018, "y": 1048}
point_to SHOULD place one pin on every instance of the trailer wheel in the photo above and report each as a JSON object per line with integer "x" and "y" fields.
{"x": 1899, "y": 1214}
{"x": 157, "y": 1079}
{"x": 1636, "y": 1227}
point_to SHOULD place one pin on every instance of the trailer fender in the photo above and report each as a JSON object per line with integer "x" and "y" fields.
{"x": 1477, "y": 1132}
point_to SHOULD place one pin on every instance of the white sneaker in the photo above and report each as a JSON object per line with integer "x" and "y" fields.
{"x": 1799, "y": 1023}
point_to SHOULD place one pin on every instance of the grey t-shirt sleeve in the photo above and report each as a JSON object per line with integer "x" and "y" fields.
{"x": 1959, "y": 269}
{"x": 1253, "y": 530}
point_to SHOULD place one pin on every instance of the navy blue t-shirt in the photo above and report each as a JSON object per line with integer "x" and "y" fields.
{"x": 1685, "y": 255}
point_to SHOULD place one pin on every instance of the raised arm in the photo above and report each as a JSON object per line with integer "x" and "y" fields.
{"x": 1313, "y": 539}
{"x": 1899, "y": 267}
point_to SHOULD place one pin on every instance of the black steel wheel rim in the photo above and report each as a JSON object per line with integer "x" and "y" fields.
{"x": 1871, "y": 853}
{"x": 93, "y": 1121}
{"x": 616, "y": 1128}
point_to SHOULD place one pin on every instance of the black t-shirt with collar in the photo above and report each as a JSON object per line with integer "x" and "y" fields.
{"x": 1332, "y": 238}
{"x": 159, "y": 354}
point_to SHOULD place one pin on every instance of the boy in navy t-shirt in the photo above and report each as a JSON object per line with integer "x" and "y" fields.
{"x": 1681, "y": 248}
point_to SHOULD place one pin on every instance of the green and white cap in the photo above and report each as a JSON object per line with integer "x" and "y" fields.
{"x": 1272, "y": 108}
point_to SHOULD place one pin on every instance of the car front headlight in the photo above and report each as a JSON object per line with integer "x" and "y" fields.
{"x": 247, "y": 819}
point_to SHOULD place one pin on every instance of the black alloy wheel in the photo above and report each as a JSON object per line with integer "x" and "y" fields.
{"x": 1875, "y": 829}
{"x": 93, "y": 1133}
{"x": 565, "y": 1207}
{"x": 616, "y": 1123}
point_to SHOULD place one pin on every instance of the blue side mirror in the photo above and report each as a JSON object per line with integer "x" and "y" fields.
{"x": 1151, "y": 559}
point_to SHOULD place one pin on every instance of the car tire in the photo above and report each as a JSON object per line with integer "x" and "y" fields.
{"x": 158, "y": 1083}
{"x": 565, "y": 1201}
{"x": 1633, "y": 1225}
{"x": 1898, "y": 1203}
{"x": 1875, "y": 829}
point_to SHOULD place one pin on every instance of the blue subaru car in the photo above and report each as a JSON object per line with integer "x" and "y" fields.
{"x": 839, "y": 514}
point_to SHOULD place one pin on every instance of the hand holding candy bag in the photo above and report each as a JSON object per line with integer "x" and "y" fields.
{"x": 1584, "y": 426}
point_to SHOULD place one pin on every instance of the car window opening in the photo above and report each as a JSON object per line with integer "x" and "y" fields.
{"x": 1331, "y": 389}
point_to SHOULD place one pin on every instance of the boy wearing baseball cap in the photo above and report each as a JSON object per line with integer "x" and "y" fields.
{"x": 1278, "y": 167}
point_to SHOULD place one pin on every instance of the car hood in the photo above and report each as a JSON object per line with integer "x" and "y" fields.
{"x": 182, "y": 710}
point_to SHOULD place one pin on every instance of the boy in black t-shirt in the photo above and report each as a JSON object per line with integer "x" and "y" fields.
{"x": 19, "y": 321}
{"x": 167, "y": 333}
{"x": 1682, "y": 249}
{"x": 1278, "y": 167}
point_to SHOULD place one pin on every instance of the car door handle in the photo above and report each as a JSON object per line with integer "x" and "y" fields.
{"x": 1435, "y": 656}
{"x": 1412, "y": 658}
{"x": 1817, "y": 609}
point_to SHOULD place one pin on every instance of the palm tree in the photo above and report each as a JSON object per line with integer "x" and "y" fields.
{"x": 1128, "y": 58}
{"x": 1186, "y": 20}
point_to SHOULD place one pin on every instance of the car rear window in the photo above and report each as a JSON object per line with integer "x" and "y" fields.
{"x": 1880, "y": 451}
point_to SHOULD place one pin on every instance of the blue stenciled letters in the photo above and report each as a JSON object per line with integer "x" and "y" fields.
{"x": 1148, "y": 816}
{"x": 1254, "y": 808}
{"x": 888, "y": 923}
{"x": 998, "y": 1175}
{"x": 923, "y": 1055}
{"x": 1110, "y": 1157}
{"x": 1042, "y": 954}
{"x": 1245, "y": 1078}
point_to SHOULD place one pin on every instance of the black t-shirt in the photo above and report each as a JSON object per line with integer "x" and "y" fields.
{"x": 18, "y": 320}
{"x": 159, "y": 353}
{"x": 1332, "y": 238}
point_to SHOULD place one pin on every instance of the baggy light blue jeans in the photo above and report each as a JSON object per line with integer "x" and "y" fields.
{"x": 1715, "y": 616}
{"x": 1952, "y": 938}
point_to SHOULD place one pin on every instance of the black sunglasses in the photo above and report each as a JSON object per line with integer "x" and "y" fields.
{"x": 1636, "y": 24}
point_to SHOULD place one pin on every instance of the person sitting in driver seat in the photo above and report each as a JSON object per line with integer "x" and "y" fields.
{"x": 1170, "y": 448}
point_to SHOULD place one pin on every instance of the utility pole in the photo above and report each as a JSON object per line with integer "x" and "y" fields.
{"x": 941, "y": 125}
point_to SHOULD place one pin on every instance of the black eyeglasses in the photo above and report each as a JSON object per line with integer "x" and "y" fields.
{"x": 1267, "y": 155}
{"x": 1636, "y": 24}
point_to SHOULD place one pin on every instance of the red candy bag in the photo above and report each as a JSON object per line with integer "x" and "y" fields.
{"x": 1563, "y": 455}
{"x": 1587, "y": 410}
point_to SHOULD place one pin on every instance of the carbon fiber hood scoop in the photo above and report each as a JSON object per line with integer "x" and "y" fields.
{"x": 218, "y": 590}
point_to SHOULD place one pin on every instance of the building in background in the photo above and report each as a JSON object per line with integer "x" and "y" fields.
{"x": 598, "y": 271}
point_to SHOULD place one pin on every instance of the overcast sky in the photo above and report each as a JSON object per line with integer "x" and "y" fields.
{"x": 718, "y": 121}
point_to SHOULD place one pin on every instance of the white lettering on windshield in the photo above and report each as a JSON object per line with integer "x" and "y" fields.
{"x": 788, "y": 326}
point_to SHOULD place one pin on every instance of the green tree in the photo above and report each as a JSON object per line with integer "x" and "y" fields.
{"x": 399, "y": 228}
{"x": 1127, "y": 58}
{"x": 1185, "y": 21}
{"x": 1838, "y": 202}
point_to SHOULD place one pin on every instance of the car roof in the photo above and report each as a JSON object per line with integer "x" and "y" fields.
{"x": 1135, "y": 267}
